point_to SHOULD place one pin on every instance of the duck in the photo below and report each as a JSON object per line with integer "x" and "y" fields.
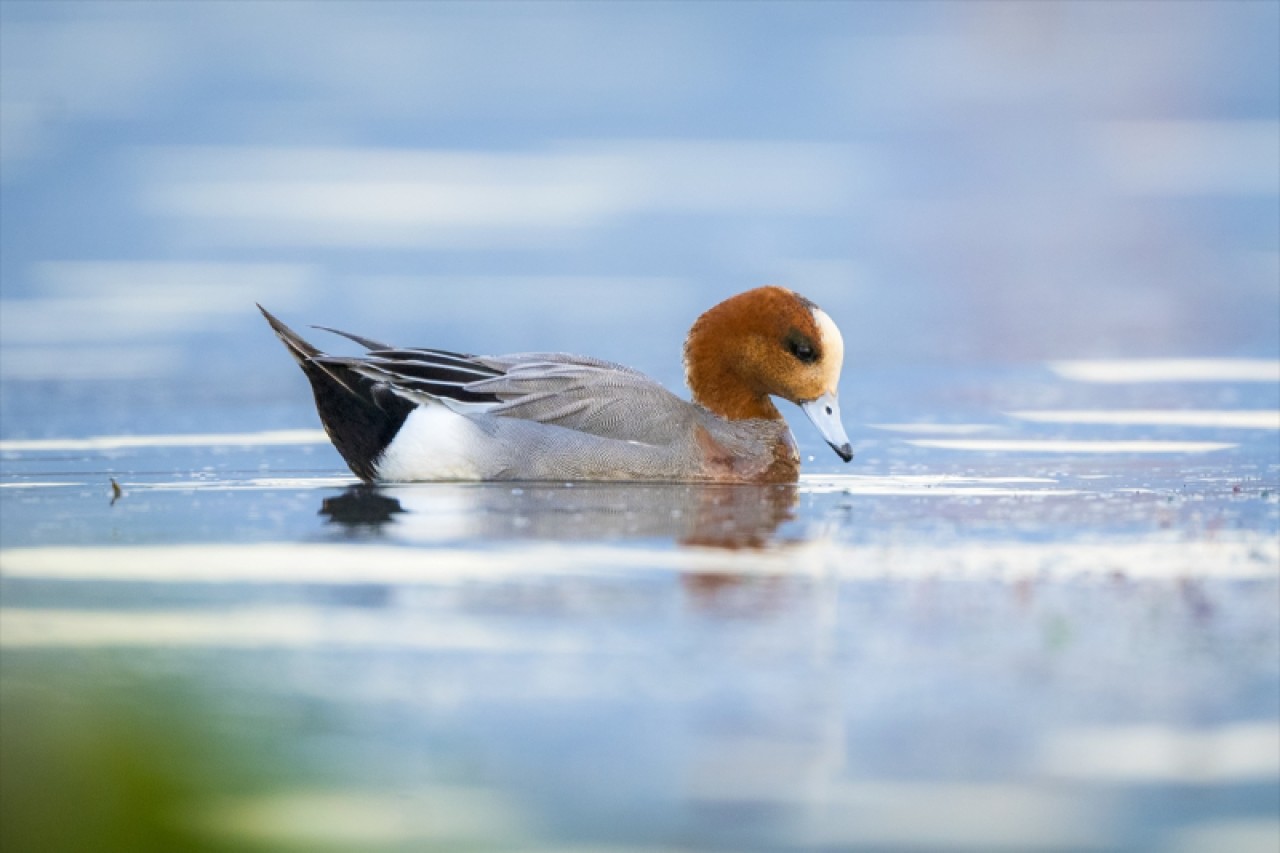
{"x": 399, "y": 414}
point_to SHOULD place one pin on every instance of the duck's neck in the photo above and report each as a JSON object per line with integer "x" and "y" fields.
{"x": 736, "y": 403}
{"x": 718, "y": 388}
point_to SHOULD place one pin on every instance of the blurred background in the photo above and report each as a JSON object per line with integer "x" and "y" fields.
{"x": 959, "y": 181}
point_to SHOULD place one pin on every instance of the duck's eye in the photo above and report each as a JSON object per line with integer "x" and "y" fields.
{"x": 802, "y": 349}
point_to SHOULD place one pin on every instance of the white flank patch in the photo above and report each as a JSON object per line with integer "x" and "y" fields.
{"x": 1170, "y": 370}
{"x": 434, "y": 443}
{"x": 1064, "y": 446}
{"x": 1221, "y": 419}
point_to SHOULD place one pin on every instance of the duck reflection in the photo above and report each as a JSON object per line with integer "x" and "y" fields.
{"x": 719, "y": 516}
{"x": 361, "y": 509}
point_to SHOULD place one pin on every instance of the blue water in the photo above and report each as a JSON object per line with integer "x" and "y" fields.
{"x": 932, "y": 648}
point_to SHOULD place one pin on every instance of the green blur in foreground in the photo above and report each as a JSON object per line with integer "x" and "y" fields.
{"x": 87, "y": 767}
{"x": 94, "y": 758}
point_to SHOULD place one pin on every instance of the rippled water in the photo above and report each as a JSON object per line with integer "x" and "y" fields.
{"x": 1041, "y": 610}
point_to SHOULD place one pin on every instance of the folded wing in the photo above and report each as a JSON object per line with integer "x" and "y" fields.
{"x": 587, "y": 395}
{"x": 574, "y": 392}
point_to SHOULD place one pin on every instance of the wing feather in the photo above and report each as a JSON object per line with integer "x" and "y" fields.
{"x": 589, "y": 396}
{"x": 575, "y": 392}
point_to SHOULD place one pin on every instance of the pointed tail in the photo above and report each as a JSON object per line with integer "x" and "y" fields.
{"x": 361, "y": 416}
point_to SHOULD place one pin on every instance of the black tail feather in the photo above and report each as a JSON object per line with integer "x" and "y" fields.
{"x": 367, "y": 343}
{"x": 360, "y": 415}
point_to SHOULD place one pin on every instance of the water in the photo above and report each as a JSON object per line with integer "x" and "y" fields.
{"x": 1067, "y": 638}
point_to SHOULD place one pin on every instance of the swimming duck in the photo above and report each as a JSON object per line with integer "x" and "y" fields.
{"x": 400, "y": 415}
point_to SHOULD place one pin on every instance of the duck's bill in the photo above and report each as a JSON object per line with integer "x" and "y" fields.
{"x": 825, "y": 414}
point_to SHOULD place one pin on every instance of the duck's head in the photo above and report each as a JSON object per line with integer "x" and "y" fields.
{"x": 768, "y": 342}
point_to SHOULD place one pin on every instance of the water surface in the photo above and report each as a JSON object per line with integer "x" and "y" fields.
{"x": 1038, "y": 612}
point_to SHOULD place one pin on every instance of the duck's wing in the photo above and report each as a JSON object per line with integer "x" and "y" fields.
{"x": 587, "y": 395}
{"x": 574, "y": 392}
{"x": 438, "y": 375}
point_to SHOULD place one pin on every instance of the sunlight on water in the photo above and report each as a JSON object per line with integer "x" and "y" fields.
{"x": 439, "y": 815}
{"x": 1216, "y": 756}
{"x": 1171, "y": 370}
{"x": 961, "y": 817}
{"x": 995, "y": 445}
{"x": 1240, "y": 556}
{"x": 261, "y": 628}
{"x": 935, "y": 486}
{"x": 936, "y": 429}
{"x": 1226, "y": 419}
{"x": 119, "y": 442}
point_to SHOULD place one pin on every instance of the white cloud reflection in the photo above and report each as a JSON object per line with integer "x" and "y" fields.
{"x": 1233, "y": 754}
{"x": 123, "y": 361}
{"x": 1239, "y": 557}
{"x": 384, "y": 197}
{"x": 1206, "y": 418}
{"x": 1054, "y": 445}
{"x": 1169, "y": 370}
{"x": 128, "y": 319}
{"x": 79, "y": 301}
{"x": 1240, "y": 835}
{"x": 86, "y": 67}
{"x": 1191, "y": 157}
{"x": 987, "y": 180}
{"x": 267, "y": 438}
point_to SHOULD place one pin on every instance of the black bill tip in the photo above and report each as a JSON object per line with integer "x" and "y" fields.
{"x": 844, "y": 451}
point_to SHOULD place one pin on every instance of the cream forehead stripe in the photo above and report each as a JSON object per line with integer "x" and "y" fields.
{"x": 832, "y": 347}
